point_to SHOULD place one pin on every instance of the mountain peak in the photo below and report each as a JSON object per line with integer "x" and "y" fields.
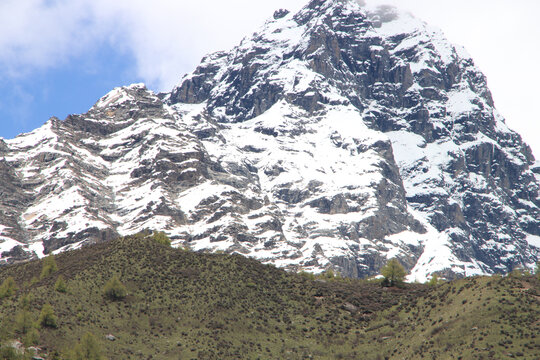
{"x": 404, "y": 79}
{"x": 119, "y": 95}
{"x": 317, "y": 56}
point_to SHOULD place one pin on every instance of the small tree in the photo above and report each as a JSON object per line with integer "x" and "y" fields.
{"x": 537, "y": 271}
{"x": 49, "y": 266}
{"x": 161, "y": 238}
{"x": 9, "y": 353}
{"x": 32, "y": 337}
{"x": 329, "y": 274}
{"x": 516, "y": 273}
{"x": 307, "y": 275}
{"x": 393, "y": 273}
{"x": 24, "y": 321}
{"x": 60, "y": 285}
{"x": 47, "y": 318}
{"x": 8, "y": 288}
{"x": 87, "y": 349}
{"x": 114, "y": 289}
{"x": 434, "y": 280}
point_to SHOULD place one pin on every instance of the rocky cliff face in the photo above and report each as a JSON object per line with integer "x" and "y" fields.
{"x": 339, "y": 136}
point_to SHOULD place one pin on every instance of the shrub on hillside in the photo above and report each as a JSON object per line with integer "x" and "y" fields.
{"x": 24, "y": 320}
{"x": 49, "y": 266}
{"x": 31, "y": 338}
{"x": 307, "y": 275}
{"x": 161, "y": 238}
{"x": 9, "y": 353}
{"x": 60, "y": 285}
{"x": 328, "y": 274}
{"x": 8, "y": 288}
{"x": 47, "y": 318}
{"x": 516, "y": 273}
{"x": 87, "y": 349}
{"x": 114, "y": 289}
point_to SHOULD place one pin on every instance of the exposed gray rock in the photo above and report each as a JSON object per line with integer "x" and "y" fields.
{"x": 329, "y": 138}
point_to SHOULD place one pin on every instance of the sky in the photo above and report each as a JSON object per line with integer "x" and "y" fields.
{"x": 60, "y": 56}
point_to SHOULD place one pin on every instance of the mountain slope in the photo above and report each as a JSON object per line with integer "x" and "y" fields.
{"x": 182, "y": 304}
{"x": 463, "y": 170}
{"x": 339, "y": 137}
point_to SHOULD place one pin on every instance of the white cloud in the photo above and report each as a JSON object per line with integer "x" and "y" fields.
{"x": 33, "y": 34}
{"x": 168, "y": 38}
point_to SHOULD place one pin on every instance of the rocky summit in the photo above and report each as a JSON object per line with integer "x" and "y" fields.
{"x": 337, "y": 137}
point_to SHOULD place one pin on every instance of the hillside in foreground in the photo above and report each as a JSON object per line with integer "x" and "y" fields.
{"x": 187, "y": 305}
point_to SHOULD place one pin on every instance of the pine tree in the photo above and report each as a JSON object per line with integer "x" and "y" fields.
{"x": 161, "y": 238}
{"x": 8, "y": 288}
{"x": 23, "y": 320}
{"x": 434, "y": 280}
{"x": 60, "y": 285}
{"x": 87, "y": 349}
{"x": 393, "y": 273}
{"x": 49, "y": 266}
{"x": 47, "y": 318}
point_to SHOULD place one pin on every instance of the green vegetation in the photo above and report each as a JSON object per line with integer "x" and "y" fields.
{"x": 87, "y": 349}
{"x": 187, "y": 305}
{"x": 393, "y": 273}
{"x": 25, "y": 324}
{"x": 161, "y": 238}
{"x": 307, "y": 275}
{"x": 49, "y": 266}
{"x": 434, "y": 280}
{"x": 24, "y": 321}
{"x": 328, "y": 274}
{"x": 114, "y": 289}
{"x": 60, "y": 285}
{"x": 9, "y": 353}
{"x": 47, "y": 318}
{"x": 8, "y": 288}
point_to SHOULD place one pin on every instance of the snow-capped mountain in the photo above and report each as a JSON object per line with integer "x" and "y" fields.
{"x": 339, "y": 136}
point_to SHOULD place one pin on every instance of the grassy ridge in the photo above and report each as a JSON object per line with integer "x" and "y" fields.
{"x": 185, "y": 305}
